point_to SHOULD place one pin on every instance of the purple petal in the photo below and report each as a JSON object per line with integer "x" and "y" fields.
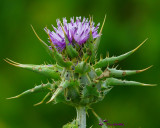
{"x": 76, "y": 31}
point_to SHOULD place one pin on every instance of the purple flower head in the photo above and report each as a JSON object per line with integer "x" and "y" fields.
{"x": 76, "y": 31}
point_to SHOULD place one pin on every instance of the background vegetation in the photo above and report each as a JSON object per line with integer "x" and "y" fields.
{"x": 128, "y": 23}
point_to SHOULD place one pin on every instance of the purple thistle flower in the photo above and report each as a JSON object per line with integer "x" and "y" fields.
{"x": 76, "y": 31}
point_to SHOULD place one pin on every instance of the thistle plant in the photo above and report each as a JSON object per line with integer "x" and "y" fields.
{"x": 77, "y": 75}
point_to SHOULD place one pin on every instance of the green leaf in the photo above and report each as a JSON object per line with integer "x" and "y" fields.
{"x": 117, "y": 82}
{"x": 40, "y": 88}
{"x": 119, "y": 73}
{"x": 52, "y": 71}
{"x": 112, "y": 60}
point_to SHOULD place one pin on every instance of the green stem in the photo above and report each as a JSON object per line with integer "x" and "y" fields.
{"x": 81, "y": 116}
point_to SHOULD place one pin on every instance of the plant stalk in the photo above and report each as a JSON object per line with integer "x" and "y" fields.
{"x": 81, "y": 116}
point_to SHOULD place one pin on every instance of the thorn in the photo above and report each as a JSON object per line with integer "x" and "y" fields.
{"x": 86, "y": 59}
{"x": 113, "y": 66}
{"x": 53, "y": 96}
{"x": 52, "y": 45}
{"x": 87, "y": 114}
{"x": 94, "y": 112}
{"x": 116, "y": 66}
{"x": 89, "y": 62}
{"x": 42, "y": 100}
{"x": 96, "y": 61}
{"x": 149, "y": 84}
{"x": 101, "y": 56}
{"x": 107, "y": 56}
{"x": 53, "y": 81}
{"x": 12, "y": 97}
{"x": 62, "y": 28}
{"x": 102, "y": 25}
{"x": 32, "y": 90}
{"x": 48, "y": 35}
{"x": 35, "y": 85}
{"x": 90, "y": 24}
{"x": 48, "y": 81}
{"x": 38, "y": 103}
{"x": 11, "y": 63}
{"x": 144, "y": 69}
{"x": 49, "y": 101}
{"x": 139, "y": 45}
{"x": 37, "y": 35}
{"x": 40, "y": 69}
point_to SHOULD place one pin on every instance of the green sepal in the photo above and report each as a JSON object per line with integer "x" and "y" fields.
{"x": 96, "y": 43}
{"x": 72, "y": 53}
{"x": 40, "y": 88}
{"x": 90, "y": 95}
{"x": 117, "y": 82}
{"x": 84, "y": 79}
{"x": 61, "y": 88}
{"x": 92, "y": 74}
{"x": 82, "y": 68}
{"x": 90, "y": 90}
{"x": 106, "y": 90}
{"x": 89, "y": 45}
{"x": 112, "y": 60}
{"x": 72, "y": 94}
{"x": 90, "y": 52}
{"x": 59, "y": 98}
{"x": 68, "y": 75}
{"x": 98, "y": 71}
{"x": 59, "y": 59}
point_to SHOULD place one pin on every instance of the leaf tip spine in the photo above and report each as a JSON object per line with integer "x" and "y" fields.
{"x": 139, "y": 45}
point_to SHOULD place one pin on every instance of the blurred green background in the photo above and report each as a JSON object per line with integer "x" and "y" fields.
{"x": 128, "y": 23}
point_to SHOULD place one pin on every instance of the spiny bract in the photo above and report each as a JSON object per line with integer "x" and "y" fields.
{"x": 77, "y": 74}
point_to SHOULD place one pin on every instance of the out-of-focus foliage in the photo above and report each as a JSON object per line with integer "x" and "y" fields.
{"x": 128, "y": 23}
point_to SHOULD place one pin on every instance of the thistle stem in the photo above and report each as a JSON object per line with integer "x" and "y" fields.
{"x": 81, "y": 116}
